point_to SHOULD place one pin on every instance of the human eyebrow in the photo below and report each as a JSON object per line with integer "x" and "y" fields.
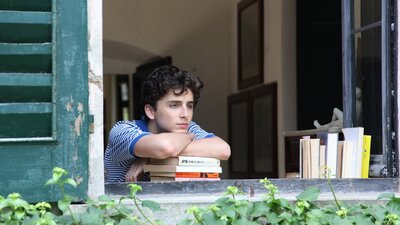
{"x": 174, "y": 102}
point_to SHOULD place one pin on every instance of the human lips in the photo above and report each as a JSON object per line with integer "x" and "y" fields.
{"x": 182, "y": 125}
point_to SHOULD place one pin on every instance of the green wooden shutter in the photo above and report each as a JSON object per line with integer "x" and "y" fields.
{"x": 43, "y": 95}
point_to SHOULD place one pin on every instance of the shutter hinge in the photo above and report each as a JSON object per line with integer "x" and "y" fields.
{"x": 91, "y": 123}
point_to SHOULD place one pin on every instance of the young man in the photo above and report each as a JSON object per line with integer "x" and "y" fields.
{"x": 169, "y": 97}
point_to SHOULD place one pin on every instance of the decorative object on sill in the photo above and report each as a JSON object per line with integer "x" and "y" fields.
{"x": 250, "y": 43}
{"x": 337, "y": 116}
{"x": 336, "y": 122}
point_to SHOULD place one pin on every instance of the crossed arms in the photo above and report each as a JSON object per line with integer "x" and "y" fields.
{"x": 164, "y": 145}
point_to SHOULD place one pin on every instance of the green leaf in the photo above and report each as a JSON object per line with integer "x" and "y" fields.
{"x": 210, "y": 219}
{"x": 91, "y": 217}
{"x": 105, "y": 198}
{"x": 340, "y": 221}
{"x": 258, "y": 209}
{"x": 185, "y": 222}
{"x": 310, "y": 194}
{"x": 63, "y": 204}
{"x": 70, "y": 182}
{"x": 378, "y": 212}
{"x": 313, "y": 221}
{"x": 223, "y": 200}
{"x": 228, "y": 211}
{"x": 125, "y": 222}
{"x": 244, "y": 221}
{"x": 386, "y": 196}
{"x": 273, "y": 218}
{"x": 362, "y": 220}
{"x": 393, "y": 206}
{"x": 287, "y": 216}
{"x": 152, "y": 205}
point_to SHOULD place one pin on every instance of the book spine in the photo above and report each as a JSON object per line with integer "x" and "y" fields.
{"x": 196, "y": 175}
{"x": 365, "y": 156}
{"x": 194, "y": 161}
{"x": 196, "y": 179}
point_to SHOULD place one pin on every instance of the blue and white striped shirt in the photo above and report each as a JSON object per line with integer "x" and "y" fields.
{"x": 119, "y": 154}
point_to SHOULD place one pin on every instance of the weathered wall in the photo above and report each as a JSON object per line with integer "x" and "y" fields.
{"x": 95, "y": 58}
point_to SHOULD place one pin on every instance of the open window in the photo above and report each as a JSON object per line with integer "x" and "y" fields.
{"x": 369, "y": 76}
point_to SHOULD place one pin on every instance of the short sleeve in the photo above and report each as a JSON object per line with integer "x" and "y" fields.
{"x": 198, "y": 132}
{"x": 123, "y": 137}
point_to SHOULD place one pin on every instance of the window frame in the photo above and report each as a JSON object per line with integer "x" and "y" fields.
{"x": 388, "y": 76}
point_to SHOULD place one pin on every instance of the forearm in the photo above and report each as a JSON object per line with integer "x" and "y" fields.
{"x": 162, "y": 145}
{"x": 213, "y": 147}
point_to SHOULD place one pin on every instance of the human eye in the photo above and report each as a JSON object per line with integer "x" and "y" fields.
{"x": 190, "y": 106}
{"x": 173, "y": 105}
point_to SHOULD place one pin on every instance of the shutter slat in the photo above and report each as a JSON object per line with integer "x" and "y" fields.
{"x": 25, "y": 108}
{"x": 25, "y": 49}
{"x": 18, "y": 17}
{"x": 25, "y": 79}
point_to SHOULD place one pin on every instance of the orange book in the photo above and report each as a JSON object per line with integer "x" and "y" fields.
{"x": 184, "y": 174}
{"x": 196, "y": 175}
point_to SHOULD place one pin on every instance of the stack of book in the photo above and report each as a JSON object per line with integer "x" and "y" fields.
{"x": 345, "y": 159}
{"x": 184, "y": 168}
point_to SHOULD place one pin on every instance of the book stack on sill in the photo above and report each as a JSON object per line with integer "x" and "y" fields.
{"x": 348, "y": 158}
{"x": 184, "y": 168}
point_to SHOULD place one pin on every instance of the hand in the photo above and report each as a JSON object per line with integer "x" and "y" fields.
{"x": 136, "y": 171}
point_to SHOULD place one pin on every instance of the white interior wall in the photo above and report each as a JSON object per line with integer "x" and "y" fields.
{"x": 279, "y": 63}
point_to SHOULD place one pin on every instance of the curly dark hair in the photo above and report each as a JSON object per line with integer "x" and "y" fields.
{"x": 166, "y": 78}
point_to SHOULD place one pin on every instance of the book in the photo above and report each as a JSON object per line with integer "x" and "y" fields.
{"x": 322, "y": 161}
{"x": 292, "y": 175}
{"x": 355, "y": 135}
{"x": 347, "y": 159}
{"x": 185, "y": 174}
{"x": 339, "y": 160}
{"x": 184, "y": 179}
{"x": 306, "y": 158}
{"x": 314, "y": 157}
{"x": 366, "y": 156}
{"x": 330, "y": 140}
{"x": 187, "y": 161}
{"x": 174, "y": 168}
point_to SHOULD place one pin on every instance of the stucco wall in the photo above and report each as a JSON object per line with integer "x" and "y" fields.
{"x": 95, "y": 58}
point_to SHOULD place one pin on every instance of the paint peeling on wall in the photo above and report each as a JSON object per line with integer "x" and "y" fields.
{"x": 80, "y": 107}
{"x": 78, "y": 124}
{"x": 69, "y": 107}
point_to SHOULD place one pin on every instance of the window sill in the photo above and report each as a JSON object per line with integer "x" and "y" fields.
{"x": 204, "y": 191}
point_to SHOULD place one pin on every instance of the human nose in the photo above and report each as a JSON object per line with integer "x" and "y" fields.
{"x": 184, "y": 112}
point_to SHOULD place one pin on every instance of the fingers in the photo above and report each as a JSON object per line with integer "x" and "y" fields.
{"x": 135, "y": 172}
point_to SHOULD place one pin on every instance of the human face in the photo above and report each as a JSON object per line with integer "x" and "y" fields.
{"x": 173, "y": 114}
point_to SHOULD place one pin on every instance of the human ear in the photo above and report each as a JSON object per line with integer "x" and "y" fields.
{"x": 149, "y": 110}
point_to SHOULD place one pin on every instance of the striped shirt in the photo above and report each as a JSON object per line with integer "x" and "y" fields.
{"x": 119, "y": 154}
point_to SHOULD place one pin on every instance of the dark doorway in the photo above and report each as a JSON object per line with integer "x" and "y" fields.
{"x": 142, "y": 72}
{"x": 319, "y": 61}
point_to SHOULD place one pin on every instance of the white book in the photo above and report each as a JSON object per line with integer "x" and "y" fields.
{"x": 175, "y": 168}
{"x": 356, "y": 136}
{"x": 330, "y": 140}
{"x": 322, "y": 161}
{"x": 314, "y": 156}
{"x": 187, "y": 161}
{"x": 347, "y": 162}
